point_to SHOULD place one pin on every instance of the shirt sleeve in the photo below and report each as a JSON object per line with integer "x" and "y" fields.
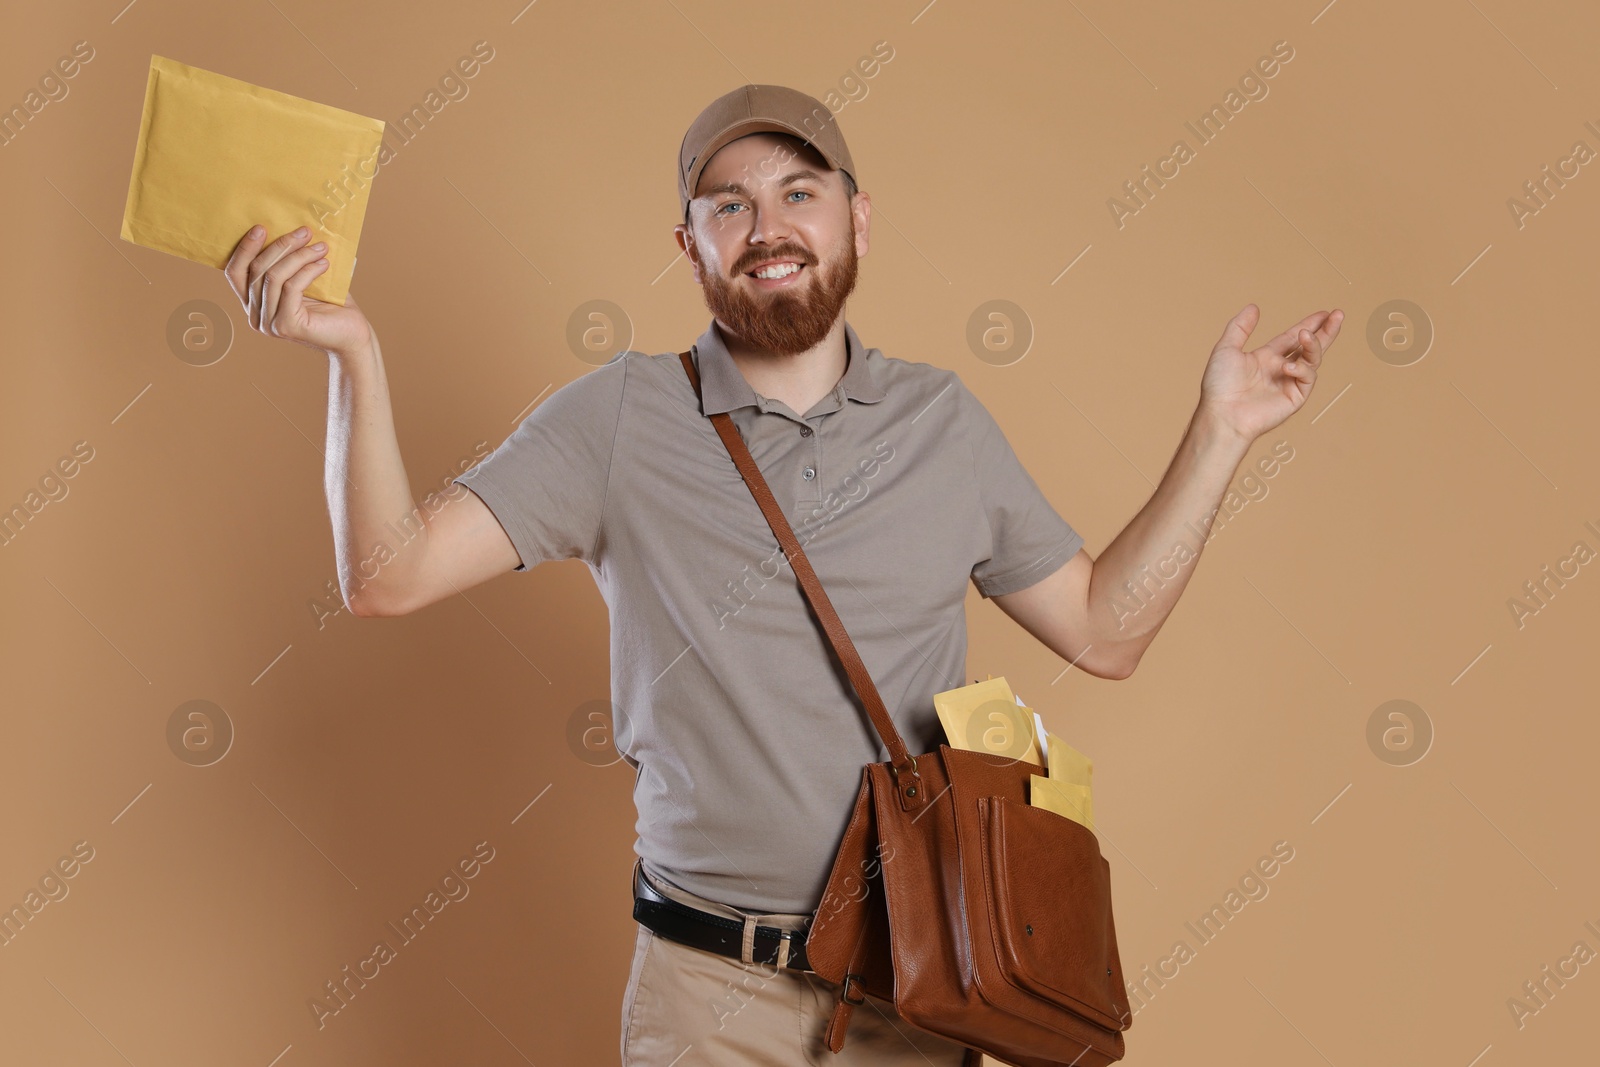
{"x": 546, "y": 483}
{"x": 1030, "y": 540}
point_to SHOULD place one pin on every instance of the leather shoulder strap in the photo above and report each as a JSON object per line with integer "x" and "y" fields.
{"x": 843, "y": 647}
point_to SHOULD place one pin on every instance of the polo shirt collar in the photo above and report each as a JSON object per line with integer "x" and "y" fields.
{"x": 723, "y": 386}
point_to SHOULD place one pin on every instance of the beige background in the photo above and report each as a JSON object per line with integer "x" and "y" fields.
{"x": 369, "y": 755}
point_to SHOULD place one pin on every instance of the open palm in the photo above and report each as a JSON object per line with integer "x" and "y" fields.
{"x": 1256, "y": 390}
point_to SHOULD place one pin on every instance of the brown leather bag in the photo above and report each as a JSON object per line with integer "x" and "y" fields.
{"x": 983, "y": 919}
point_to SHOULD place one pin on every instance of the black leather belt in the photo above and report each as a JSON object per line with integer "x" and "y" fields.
{"x": 713, "y": 933}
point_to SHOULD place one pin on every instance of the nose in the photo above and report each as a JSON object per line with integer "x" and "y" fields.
{"x": 770, "y": 226}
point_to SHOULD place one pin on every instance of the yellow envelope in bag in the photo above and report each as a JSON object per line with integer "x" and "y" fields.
{"x": 216, "y": 155}
{"x": 1069, "y": 765}
{"x": 985, "y": 717}
{"x": 1063, "y": 798}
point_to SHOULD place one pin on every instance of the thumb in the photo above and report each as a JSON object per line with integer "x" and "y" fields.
{"x": 1241, "y": 326}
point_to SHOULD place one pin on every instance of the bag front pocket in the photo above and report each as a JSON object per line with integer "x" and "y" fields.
{"x": 1048, "y": 891}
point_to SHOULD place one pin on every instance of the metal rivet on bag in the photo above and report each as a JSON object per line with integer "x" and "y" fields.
{"x": 1108, "y": 970}
{"x": 1029, "y": 928}
{"x": 912, "y": 791}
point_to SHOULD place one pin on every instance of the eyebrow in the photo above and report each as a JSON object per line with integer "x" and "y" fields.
{"x": 788, "y": 179}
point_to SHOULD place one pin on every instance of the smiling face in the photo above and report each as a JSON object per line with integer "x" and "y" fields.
{"x": 770, "y": 201}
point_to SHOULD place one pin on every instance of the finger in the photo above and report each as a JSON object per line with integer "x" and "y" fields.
{"x": 243, "y": 253}
{"x": 280, "y": 272}
{"x": 1311, "y": 347}
{"x": 1312, "y": 344}
{"x": 1237, "y": 332}
{"x": 263, "y": 261}
{"x": 1287, "y": 341}
{"x": 1303, "y": 373}
{"x": 1301, "y": 351}
{"x": 1328, "y": 331}
{"x": 294, "y": 287}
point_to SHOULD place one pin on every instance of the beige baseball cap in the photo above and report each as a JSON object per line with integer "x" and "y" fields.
{"x": 759, "y": 109}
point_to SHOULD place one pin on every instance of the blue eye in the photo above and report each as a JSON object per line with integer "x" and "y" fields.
{"x": 735, "y": 203}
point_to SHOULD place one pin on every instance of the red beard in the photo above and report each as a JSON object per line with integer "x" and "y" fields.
{"x": 789, "y": 320}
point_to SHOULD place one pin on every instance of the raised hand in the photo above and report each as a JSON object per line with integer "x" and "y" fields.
{"x": 1251, "y": 392}
{"x": 270, "y": 281}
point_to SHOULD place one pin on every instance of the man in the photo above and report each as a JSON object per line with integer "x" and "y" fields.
{"x": 745, "y": 734}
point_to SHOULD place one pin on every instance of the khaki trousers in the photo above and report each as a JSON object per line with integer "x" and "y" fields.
{"x": 686, "y": 1007}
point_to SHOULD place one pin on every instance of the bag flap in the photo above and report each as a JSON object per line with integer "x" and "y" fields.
{"x": 1048, "y": 889}
{"x": 850, "y": 923}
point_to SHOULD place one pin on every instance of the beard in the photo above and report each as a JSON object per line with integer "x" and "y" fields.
{"x": 789, "y": 320}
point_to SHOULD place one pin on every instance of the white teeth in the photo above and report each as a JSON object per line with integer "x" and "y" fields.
{"x": 783, "y": 270}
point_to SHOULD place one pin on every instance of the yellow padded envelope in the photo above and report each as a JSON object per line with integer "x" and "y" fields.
{"x": 1063, "y": 798}
{"x": 217, "y": 155}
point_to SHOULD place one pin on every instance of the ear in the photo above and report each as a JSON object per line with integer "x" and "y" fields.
{"x": 861, "y": 209}
{"x": 685, "y": 238}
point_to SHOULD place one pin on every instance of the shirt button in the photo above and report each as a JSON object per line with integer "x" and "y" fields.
{"x": 805, "y": 431}
{"x": 809, "y": 473}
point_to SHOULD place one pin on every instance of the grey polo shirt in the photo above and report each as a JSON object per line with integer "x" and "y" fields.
{"x": 745, "y": 735}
